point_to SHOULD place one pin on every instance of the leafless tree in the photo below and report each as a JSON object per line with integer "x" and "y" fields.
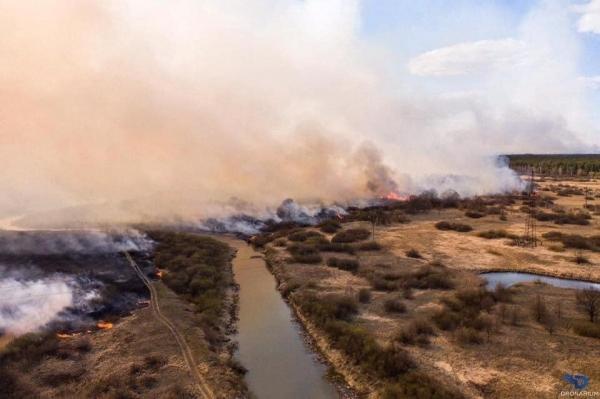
{"x": 539, "y": 309}
{"x": 588, "y": 302}
{"x": 378, "y": 217}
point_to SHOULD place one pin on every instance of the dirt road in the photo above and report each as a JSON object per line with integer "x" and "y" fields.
{"x": 205, "y": 390}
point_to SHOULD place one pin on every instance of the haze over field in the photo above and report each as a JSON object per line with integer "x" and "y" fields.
{"x": 169, "y": 108}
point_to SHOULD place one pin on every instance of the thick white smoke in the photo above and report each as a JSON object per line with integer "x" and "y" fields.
{"x": 151, "y": 110}
{"x": 26, "y": 306}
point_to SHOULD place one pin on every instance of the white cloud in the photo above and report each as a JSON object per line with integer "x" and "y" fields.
{"x": 591, "y": 82}
{"x": 463, "y": 58}
{"x": 590, "y": 17}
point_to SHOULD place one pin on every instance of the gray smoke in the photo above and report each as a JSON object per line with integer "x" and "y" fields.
{"x": 68, "y": 242}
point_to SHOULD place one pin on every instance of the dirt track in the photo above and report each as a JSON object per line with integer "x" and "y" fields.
{"x": 205, "y": 390}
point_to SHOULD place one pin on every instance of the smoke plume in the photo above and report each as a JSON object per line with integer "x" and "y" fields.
{"x": 131, "y": 110}
{"x": 29, "y": 305}
{"x": 89, "y": 242}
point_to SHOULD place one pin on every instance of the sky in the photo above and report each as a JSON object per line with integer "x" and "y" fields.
{"x": 162, "y": 109}
{"x": 504, "y": 29}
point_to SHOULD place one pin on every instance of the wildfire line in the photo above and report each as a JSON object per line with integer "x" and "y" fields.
{"x": 183, "y": 346}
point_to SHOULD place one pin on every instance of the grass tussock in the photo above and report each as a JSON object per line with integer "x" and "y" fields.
{"x": 587, "y": 329}
{"x": 350, "y": 265}
{"x": 576, "y": 218}
{"x": 394, "y": 305}
{"x": 496, "y": 234}
{"x": 302, "y": 253}
{"x": 369, "y": 246}
{"x": 574, "y": 241}
{"x": 364, "y": 295}
{"x": 303, "y": 235}
{"x": 430, "y": 276}
{"x": 330, "y": 226}
{"x": 459, "y": 227}
{"x": 413, "y": 253}
{"x": 351, "y": 235}
{"x": 417, "y": 332}
{"x": 416, "y": 384}
{"x": 467, "y": 313}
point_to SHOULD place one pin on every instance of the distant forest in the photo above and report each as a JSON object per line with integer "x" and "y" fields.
{"x": 556, "y": 164}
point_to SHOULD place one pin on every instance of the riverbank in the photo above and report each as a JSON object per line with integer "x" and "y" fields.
{"x": 270, "y": 340}
{"x": 349, "y": 382}
{"x": 417, "y": 290}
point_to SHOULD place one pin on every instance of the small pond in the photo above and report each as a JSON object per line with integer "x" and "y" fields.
{"x": 512, "y": 278}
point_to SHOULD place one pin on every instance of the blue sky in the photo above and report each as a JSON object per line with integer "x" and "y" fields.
{"x": 560, "y": 38}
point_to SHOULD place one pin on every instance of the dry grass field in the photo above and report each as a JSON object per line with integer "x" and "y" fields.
{"x": 516, "y": 343}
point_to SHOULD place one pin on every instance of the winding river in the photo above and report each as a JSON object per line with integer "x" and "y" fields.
{"x": 271, "y": 346}
{"x": 512, "y": 278}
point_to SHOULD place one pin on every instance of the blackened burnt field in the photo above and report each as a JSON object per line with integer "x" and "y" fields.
{"x": 71, "y": 279}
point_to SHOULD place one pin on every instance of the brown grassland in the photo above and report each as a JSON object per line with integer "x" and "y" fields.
{"x": 418, "y": 295}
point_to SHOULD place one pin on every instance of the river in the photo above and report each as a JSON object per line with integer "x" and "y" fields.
{"x": 271, "y": 346}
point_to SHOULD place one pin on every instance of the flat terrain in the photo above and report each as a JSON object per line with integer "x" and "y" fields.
{"x": 507, "y": 348}
{"x": 136, "y": 355}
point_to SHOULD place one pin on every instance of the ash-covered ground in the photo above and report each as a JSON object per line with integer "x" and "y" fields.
{"x": 68, "y": 280}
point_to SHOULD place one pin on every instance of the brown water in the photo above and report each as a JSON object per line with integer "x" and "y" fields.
{"x": 280, "y": 365}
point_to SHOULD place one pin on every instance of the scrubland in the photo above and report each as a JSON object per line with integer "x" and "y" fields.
{"x": 405, "y": 314}
{"x": 138, "y": 357}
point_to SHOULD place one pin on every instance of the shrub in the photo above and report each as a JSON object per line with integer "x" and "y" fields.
{"x": 468, "y": 336}
{"x": 353, "y": 340}
{"x": 502, "y": 293}
{"x": 307, "y": 258}
{"x": 407, "y": 293}
{"x": 417, "y": 332}
{"x": 474, "y": 214}
{"x": 280, "y": 242}
{"x": 446, "y": 320}
{"x": 459, "y": 227}
{"x": 407, "y": 336}
{"x": 303, "y": 253}
{"x": 304, "y": 235}
{"x": 587, "y": 329}
{"x": 416, "y": 384}
{"x": 588, "y": 302}
{"x": 581, "y": 260}
{"x": 369, "y": 246}
{"x": 364, "y": 295}
{"x": 350, "y": 265}
{"x": 429, "y": 277}
{"x": 495, "y": 234}
{"x": 196, "y": 268}
{"x": 330, "y": 226}
{"x": 351, "y": 235}
{"x": 413, "y": 253}
{"x": 394, "y": 305}
{"x": 381, "y": 284}
{"x": 336, "y": 247}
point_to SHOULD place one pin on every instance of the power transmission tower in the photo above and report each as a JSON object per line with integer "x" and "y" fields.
{"x": 530, "y": 237}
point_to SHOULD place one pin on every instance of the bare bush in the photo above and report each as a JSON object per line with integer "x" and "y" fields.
{"x": 588, "y": 302}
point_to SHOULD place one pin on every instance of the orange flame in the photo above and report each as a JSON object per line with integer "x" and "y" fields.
{"x": 66, "y": 335}
{"x": 159, "y": 273}
{"x": 104, "y": 325}
{"x": 393, "y": 196}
